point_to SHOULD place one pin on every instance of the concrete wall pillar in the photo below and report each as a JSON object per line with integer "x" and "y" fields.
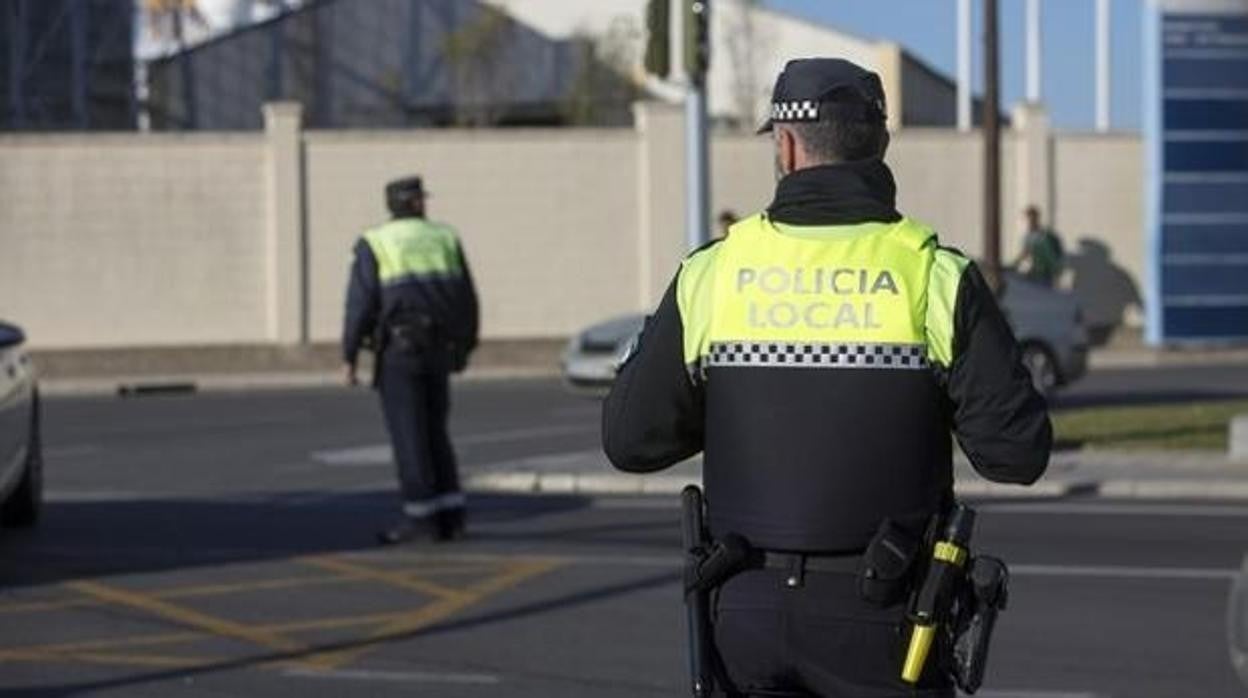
{"x": 661, "y": 197}
{"x": 284, "y": 230}
{"x": 1033, "y": 176}
{"x": 890, "y": 66}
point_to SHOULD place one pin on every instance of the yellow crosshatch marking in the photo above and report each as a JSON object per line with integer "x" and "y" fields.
{"x": 418, "y": 576}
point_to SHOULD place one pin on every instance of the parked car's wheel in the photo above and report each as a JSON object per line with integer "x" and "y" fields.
{"x": 1042, "y": 367}
{"x": 22, "y": 507}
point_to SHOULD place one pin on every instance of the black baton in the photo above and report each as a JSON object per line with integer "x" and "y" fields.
{"x": 697, "y": 601}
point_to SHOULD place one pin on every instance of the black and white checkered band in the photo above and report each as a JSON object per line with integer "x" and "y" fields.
{"x": 816, "y": 355}
{"x": 804, "y": 110}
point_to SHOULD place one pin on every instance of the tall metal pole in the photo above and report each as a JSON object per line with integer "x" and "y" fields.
{"x": 1102, "y": 65}
{"x": 1033, "y": 51}
{"x": 992, "y": 148}
{"x": 697, "y": 158}
{"x": 78, "y": 85}
{"x": 17, "y": 61}
{"x": 964, "y": 65}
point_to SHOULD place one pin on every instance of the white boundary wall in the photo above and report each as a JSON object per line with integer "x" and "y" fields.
{"x": 124, "y": 240}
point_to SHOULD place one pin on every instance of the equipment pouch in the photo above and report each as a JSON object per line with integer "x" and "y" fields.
{"x": 412, "y": 333}
{"x": 887, "y": 569}
{"x": 985, "y": 597}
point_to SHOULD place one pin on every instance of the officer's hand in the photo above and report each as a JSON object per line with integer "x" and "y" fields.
{"x": 351, "y": 377}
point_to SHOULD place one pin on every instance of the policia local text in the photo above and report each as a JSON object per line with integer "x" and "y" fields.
{"x": 776, "y": 281}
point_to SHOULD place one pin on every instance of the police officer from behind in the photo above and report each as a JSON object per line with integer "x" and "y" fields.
{"x": 411, "y": 300}
{"x": 820, "y": 356}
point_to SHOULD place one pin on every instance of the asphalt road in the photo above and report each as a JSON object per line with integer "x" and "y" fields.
{"x": 220, "y": 545}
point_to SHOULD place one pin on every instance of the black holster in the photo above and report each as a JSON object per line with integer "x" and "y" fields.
{"x": 983, "y": 598}
{"x": 412, "y": 333}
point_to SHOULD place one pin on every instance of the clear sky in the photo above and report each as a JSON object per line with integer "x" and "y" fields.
{"x": 927, "y": 28}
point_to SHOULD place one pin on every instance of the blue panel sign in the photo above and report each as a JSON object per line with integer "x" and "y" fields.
{"x": 1197, "y": 127}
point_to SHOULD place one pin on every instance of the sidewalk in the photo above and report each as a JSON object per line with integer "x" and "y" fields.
{"x": 240, "y": 368}
{"x": 267, "y": 367}
{"x": 1126, "y": 349}
{"x": 1115, "y": 474}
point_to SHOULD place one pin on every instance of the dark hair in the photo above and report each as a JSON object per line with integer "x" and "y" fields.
{"x": 843, "y": 135}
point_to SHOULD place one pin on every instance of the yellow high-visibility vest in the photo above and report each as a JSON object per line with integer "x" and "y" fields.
{"x": 874, "y": 295}
{"x": 409, "y": 249}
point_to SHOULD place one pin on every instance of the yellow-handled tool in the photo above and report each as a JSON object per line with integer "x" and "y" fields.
{"x": 932, "y": 603}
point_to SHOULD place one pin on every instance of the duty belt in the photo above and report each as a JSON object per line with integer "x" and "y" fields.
{"x": 774, "y": 560}
{"x": 796, "y": 565}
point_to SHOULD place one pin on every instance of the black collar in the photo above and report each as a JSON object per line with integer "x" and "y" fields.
{"x": 842, "y": 194}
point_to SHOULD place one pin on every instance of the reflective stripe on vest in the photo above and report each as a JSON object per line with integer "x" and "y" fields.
{"x": 413, "y": 249}
{"x": 876, "y": 295}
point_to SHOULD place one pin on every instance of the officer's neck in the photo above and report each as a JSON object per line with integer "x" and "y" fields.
{"x": 836, "y": 194}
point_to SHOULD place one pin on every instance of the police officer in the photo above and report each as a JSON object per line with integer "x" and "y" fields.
{"x": 411, "y": 300}
{"x": 820, "y": 357}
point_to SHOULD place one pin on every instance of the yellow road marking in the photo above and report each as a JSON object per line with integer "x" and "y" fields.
{"x": 186, "y": 616}
{"x": 402, "y": 580}
{"x": 243, "y": 587}
{"x": 113, "y": 658}
{"x": 67, "y": 648}
{"x": 189, "y": 592}
{"x": 271, "y": 636}
{"x": 36, "y": 606}
{"x": 405, "y": 624}
{"x": 107, "y": 643}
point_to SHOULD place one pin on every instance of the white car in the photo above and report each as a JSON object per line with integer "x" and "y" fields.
{"x": 1046, "y": 321}
{"x": 21, "y": 454}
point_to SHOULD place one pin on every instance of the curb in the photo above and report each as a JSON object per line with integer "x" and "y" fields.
{"x": 529, "y": 482}
{"x": 565, "y": 483}
{"x": 241, "y": 382}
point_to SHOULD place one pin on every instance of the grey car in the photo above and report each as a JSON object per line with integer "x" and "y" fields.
{"x": 1047, "y": 322}
{"x": 21, "y": 453}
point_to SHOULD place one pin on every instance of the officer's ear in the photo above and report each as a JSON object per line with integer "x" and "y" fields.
{"x": 786, "y": 151}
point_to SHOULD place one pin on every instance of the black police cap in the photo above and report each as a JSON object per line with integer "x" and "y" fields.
{"x": 405, "y": 188}
{"x": 808, "y": 87}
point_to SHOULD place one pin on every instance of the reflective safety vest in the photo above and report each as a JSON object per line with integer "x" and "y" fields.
{"x": 414, "y": 249}
{"x": 820, "y": 348}
{"x": 424, "y": 282}
{"x": 876, "y": 295}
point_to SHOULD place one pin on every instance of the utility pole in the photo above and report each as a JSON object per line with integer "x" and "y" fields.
{"x": 1102, "y": 65}
{"x": 697, "y": 158}
{"x": 992, "y": 148}
{"x": 1033, "y": 51}
{"x": 964, "y": 65}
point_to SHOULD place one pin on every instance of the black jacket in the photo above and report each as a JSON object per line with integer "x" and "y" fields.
{"x": 370, "y": 304}
{"x": 812, "y": 460}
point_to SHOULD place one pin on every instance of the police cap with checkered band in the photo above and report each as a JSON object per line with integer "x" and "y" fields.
{"x": 809, "y": 88}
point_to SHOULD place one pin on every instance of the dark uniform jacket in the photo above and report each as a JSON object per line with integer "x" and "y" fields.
{"x": 813, "y": 460}
{"x": 375, "y": 299}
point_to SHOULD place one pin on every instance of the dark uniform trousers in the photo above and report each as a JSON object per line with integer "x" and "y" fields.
{"x": 415, "y": 397}
{"x": 816, "y": 639}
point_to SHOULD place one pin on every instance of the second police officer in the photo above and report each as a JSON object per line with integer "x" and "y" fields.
{"x": 411, "y": 300}
{"x": 820, "y": 356}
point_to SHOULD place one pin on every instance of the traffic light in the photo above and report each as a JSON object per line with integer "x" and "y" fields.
{"x": 697, "y": 38}
{"x": 658, "y": 38}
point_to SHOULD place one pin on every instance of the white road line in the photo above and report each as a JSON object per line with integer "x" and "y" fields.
{"x": 585, "y": 411}
{"x": 1168, "y": 573}
{"x": 1002, "y": 508}
{"x": 56, "y": 453}
{"x": 380, "y": 454}
{"x": 523, "y": 434}
{"x": 1019, "y": 570}
{"x": 393, "y": 676}
{"x": 1024, "y": 693}
{"x": 81, "y": 497}
{"x": 1118, "y": 509}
